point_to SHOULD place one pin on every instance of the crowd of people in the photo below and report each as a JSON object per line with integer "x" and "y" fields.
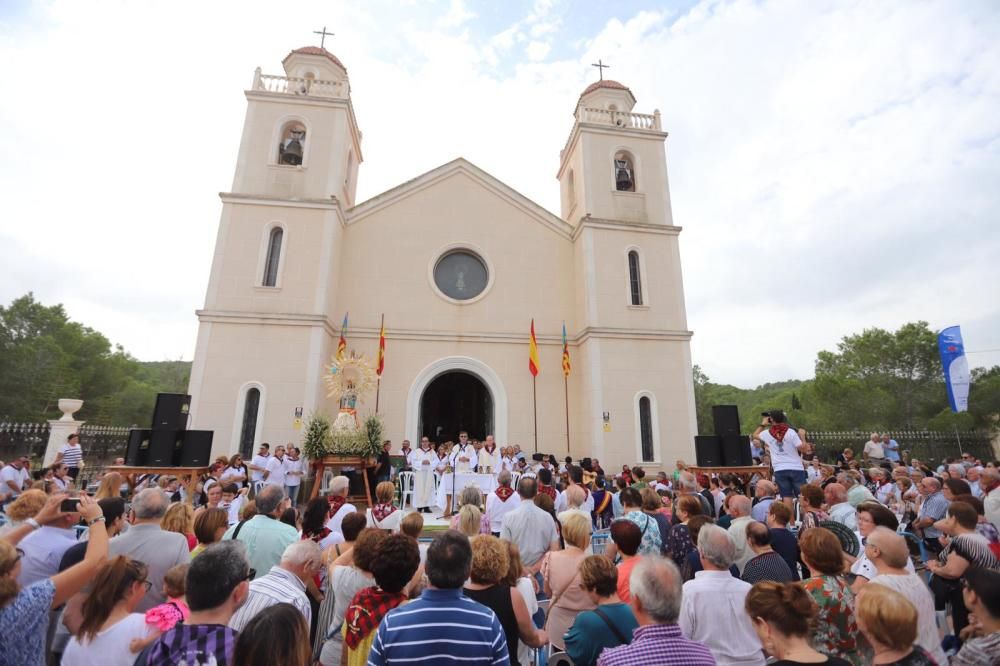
{"x": 874, "y": 559}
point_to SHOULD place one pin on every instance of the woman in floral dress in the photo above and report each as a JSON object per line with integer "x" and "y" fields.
{"x": 836, "y": 632}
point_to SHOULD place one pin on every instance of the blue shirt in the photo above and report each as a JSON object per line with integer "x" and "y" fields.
{"x": 760, "y": 509}
{"x": 891, "y": 450}
{"x": 23, "y": 625}
{"x": 266, "y": 539}
{"x": 590, "y": 633}
{"x": 440, "y": 627}
{"x": 934, "y": 506}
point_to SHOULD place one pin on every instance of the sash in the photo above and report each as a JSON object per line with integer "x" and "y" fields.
{"x": 504, "y": 493}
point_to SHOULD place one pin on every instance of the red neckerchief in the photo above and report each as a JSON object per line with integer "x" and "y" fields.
{"x": 548, "y": 490}
{"x": 366, "y": 611}
{"x": 335, "y": 502}
{"x": 382, "y": 511}
{"x": 318, "y": 536}
{"x": 504, "y": 493}
{"x": 778, "y": 431}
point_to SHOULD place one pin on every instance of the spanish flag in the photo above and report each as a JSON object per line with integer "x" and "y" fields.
{"x": 342, "y": 343}
{"x": 565, "y": 360}
{"x": 533, "y": 364}
{"x": 381, "y": 349}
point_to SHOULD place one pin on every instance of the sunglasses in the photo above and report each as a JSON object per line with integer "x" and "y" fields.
{"x": 251, "y": 574}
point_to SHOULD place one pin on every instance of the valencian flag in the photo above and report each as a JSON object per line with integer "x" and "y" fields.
{"x": 956, "y": 368}
{"x": 565, "y": 359}
{"x": 342, "y": 343}
{"x": 533, "y": 364}
{"x": 381, "y": 349}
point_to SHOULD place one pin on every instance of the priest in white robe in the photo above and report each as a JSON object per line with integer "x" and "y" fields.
{"x": 423, "y": 462}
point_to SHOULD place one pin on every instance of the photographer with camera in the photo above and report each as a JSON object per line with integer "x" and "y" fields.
{"x": 783, "y": 445}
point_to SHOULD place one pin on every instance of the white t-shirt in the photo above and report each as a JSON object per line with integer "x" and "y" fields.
{"x": 12, "y": 474}
{"x": 293, "y": 466}
{"x": 865, "y": 567}
{"x": 259, "y": 461}
{"x": 110, "y": 647}
{"x": 276, "y": 472}
{"x": 232, "y": 472}
{"x": 784, "y": 454}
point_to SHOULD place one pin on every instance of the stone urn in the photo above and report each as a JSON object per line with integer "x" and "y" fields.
{"x": 69, "y": 406}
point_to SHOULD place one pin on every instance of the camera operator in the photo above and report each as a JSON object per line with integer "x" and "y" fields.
{"x": 783, "y": 445}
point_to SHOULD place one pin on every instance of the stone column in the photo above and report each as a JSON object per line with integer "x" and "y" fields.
{"x": 60, "y": 429}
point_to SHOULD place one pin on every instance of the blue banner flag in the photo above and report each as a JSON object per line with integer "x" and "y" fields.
{"x": 956, "y": 368}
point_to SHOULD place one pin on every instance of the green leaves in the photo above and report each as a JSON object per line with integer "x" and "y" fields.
{"x": 45, "y": 356}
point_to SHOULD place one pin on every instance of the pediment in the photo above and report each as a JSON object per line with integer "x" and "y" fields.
{"x": 479, "y": 176}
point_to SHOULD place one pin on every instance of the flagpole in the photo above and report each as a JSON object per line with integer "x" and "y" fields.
{"x": 534, "y": 400}
{"x": 378, "y": 382}
{"x": 959, "y": 438}
{"x": 566, "y": 390}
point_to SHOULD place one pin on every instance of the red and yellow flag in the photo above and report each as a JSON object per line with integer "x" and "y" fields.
{"x": 565, "y": 359}
{"x": 342, "y": 343}
{"x": 381, "y": 349}
{"x": 533, "y": 364}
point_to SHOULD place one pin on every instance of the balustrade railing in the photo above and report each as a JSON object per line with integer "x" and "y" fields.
{"x": 628, "y": 119}
{"x": 294, "y": 85}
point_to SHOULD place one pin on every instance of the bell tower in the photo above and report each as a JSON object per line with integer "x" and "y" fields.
{"x": 300, "y": 136}
{"x": 614, "y": 165}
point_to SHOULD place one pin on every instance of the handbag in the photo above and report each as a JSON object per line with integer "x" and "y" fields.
{"x": 557, "y": 597}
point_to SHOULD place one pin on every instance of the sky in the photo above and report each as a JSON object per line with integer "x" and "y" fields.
{"x": 835, "y": 165}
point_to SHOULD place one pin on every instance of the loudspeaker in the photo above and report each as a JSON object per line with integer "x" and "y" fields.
{"x": 138, "y": 447}
{"x": 164, "y": 448}
{"x": 726, "y": 419}
{"x": 197, "y": 448}
{"x": 708, "y": 450}
{"x": 736, "y": 451}
{"x": 171, "y": 411}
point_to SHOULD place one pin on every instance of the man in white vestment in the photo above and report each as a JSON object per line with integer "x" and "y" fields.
{"x": 423, "y": 461}
{"x": 463, "y": 456}
{"x": 489, "y": 457}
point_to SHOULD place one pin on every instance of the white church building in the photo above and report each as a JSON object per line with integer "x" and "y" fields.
{"x": 459, "y": 263}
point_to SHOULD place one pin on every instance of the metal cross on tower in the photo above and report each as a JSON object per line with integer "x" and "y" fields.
{"x": 323, "y": 35}
{"x": 600, "y": 67}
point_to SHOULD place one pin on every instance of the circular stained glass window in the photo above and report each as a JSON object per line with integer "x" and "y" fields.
{"x": 461, "y": 275}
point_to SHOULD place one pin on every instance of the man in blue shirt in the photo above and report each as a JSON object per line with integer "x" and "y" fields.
{"x": 891, "y": 447}
{"x": 442, "y": 626}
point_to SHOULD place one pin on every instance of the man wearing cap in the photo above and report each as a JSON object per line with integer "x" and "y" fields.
{"x": 783, "y": 445}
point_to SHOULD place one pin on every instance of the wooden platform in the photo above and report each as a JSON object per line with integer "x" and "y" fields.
{"x": 171, "y": 471}
{"x": 748, "y": 470}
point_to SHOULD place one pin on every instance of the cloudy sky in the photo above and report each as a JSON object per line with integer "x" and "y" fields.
{"x": 835, "y": 165}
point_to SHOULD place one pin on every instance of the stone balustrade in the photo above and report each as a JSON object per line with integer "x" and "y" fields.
{"x": 627, "y": 119}
{"x": 293, "y": 85}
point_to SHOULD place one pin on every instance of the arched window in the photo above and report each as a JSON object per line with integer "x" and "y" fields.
{"x": 248, "y": 431}
{"x": 624, "y": 172}
{"x": 273, "y": 257}
{"x": 292, "y": 145}
{"x": 646, "y": 428}
{"x": 634, "y": 279}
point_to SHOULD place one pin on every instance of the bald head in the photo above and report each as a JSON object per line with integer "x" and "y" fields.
{"x": 739, "y": 506}
{"x": 765, "y": 488}
{"x": 835, "y": 493}
{"x": 888, "y": 547}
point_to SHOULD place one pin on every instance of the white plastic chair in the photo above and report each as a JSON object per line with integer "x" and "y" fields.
{"x": 405, "y": 488}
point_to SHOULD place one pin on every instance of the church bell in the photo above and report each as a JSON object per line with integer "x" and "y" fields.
{"x": 623, "y": 176}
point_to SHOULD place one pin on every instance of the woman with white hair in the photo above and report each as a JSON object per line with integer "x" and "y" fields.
{"x": 501, "y": 501}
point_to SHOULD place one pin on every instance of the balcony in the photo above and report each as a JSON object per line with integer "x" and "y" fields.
{"x": 307, "y": 87}
{"x": 624, "y": 119}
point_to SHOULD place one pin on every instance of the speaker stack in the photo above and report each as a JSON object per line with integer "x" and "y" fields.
{"x": 727, "y": 447}
{"x": 169, "y": 443}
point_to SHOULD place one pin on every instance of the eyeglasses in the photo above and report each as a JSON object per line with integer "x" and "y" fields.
{"x": 148, "y": 584}
{"x": 251, "y": 574}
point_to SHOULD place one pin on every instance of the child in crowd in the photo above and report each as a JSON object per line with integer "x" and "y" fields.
{"x": 162, "y": 618}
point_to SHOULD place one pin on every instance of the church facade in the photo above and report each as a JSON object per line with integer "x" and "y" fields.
{"x": 459, "y": 263}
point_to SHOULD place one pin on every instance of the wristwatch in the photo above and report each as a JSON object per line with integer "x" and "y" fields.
{"x": 99, "y": 519}
{"x": 34, "y": 523}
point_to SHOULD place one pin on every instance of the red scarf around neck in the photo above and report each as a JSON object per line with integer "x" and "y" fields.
{"x": 335, "y": 502}
{"x": 548, "y": 490}
{"x": 778, "y": 431}
{"x": 382, "y": 511}
{"x": 504, "y": 493}
{"x": 366, "y": 611}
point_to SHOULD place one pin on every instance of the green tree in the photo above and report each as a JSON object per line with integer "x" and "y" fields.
{"x": 879, "y": 378}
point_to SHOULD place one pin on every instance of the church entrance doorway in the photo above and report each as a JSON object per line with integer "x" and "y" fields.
{"x": 456, "y": 401}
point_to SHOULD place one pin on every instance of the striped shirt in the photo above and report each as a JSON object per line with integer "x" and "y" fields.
{"x": 194, "y": 645}
{"x": 278, "y": 586}
{"x": 441, "y": 627}
{"x": 72, "y": 456}
{"x": 660, "y": 644}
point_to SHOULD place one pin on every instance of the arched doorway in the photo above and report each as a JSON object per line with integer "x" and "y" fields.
{"x": 455, "y": 401}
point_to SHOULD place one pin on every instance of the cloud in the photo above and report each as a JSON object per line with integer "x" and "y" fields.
{"x": 834, "y": 165}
